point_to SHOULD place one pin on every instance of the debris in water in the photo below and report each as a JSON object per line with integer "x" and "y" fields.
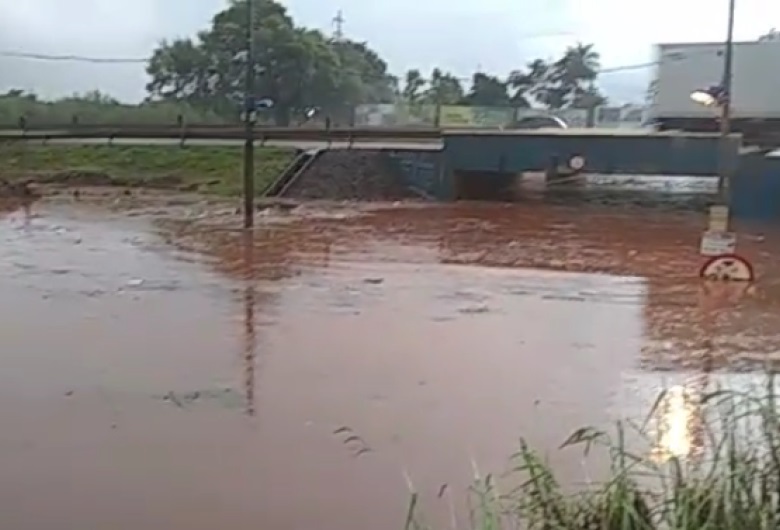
{"x": 353, "y": 442}
{"x": 170, "y": 396}
{"x": 226, "y": 397}
{"x": 362, "y": 451}
{"x": 474, "y": 310}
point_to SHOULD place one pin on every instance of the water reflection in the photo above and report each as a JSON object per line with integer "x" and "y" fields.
{"x": 680, "y": 416}
{"x": 250, "y": 335}
{"x": 439, "y": 339}
{"x": 676, "y": 413}
{"x": 661, "y": 248}
{"x": 17, "y": 205}
{"x": 680, "y": 422}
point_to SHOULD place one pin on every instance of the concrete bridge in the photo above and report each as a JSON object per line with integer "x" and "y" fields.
{"x": 452, "y": 164}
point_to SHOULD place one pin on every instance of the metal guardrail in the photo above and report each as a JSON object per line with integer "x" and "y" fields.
{"x": 212, "y": 132}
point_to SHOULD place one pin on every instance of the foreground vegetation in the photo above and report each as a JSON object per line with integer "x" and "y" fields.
{"x": 95, "y": 108}
{"x": 728, "y": 481}
{"x": 212, "y": 169}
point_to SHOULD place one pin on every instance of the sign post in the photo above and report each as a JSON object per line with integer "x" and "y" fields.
{"x": 720, "y": 246}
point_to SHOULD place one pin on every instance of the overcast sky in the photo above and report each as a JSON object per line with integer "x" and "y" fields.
{"x": 457, "y": 35}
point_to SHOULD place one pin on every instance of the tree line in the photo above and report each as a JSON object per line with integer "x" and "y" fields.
{"x": 300, "y": 69}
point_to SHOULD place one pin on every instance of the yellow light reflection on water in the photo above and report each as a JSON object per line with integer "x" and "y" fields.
{"x": 677, "y": 415}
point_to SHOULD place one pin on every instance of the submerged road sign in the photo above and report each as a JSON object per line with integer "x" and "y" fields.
{"x": 727, "y": 267}
{"x": 718, "y": 243}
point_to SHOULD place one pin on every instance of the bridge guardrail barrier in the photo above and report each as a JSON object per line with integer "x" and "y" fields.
{"x": 210, "y": 132}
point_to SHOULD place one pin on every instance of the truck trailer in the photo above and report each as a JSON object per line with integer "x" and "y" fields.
{"x": 755, "y": 90}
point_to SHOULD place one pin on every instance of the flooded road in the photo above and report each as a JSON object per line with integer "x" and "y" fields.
{"x": 176, "y": 377}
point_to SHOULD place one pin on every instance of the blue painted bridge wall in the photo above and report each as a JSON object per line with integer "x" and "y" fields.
{"x": 423, "y": 174}
{"x": 651, "y": 154}
{"x": 755, "y": 189}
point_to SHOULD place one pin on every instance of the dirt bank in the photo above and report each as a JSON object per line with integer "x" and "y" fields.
{"x": 335, "y": 175}
{"x": 351, "y": 175}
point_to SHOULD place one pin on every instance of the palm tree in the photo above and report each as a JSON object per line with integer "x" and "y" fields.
{"x": 574, "y": 75}
{"x": 529, "y": 84}
{"x": 569, "y": 81}
{"x": 772, "y": 36}
{"x": 414, "y": 84}
{"x": 579, "y": 63}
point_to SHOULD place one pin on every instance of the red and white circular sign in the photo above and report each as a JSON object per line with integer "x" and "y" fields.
{"x": 727, "y": 268}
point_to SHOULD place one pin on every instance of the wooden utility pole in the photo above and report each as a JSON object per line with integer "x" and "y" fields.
{"x": 724, "y": 158}
{"x": 249, "y": 121}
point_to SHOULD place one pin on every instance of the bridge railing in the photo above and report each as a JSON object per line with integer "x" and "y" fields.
{"x": 215, "y": 132}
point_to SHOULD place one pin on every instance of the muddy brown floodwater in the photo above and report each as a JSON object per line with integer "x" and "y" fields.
{"x": 177, "y": 378}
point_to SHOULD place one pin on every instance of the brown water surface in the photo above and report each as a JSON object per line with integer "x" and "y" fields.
{"x": 184, "y": 379}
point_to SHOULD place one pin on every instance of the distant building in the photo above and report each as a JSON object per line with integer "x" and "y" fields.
{"x": 687, "y": 67}
{"x": 624, "y": 117}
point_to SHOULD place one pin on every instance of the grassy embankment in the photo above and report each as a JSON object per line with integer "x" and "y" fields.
{"x": 215, "y": 170}
{"x": 731, "y": 482}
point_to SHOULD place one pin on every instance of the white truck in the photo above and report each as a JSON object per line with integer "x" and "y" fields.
{"x": 683, "y": 68}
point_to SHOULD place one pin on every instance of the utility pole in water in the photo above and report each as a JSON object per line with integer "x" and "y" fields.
{"x": 726, "y": 165}
{"x": 249, "y": 120}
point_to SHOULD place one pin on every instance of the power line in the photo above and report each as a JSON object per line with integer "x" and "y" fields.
{"x": 125, "y": 60}
{"x": 627, "y": 67}
{"x": 70, "y": 58}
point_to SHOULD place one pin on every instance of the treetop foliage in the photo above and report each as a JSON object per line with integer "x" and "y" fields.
{"x": 203, "y": 78}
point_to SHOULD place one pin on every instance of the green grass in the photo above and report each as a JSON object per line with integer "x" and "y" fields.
{"x": 214, "y": 169}
{"x": 732, "y": 483}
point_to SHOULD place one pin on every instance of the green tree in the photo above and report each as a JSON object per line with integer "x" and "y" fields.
{"x": 414, "y": 83}
{"x": 93, "y": 108}
{"x": 529, "y": 85}
{"x": 572, "y": 79}
{"x": 296, "y": 67}
{"x": 487, "y": 91}
{"x": 443, "y": 89}
{"x": 567, "y": 82}
{"x": 366, "y": 76}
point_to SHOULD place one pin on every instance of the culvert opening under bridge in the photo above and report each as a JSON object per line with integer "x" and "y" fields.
{"x": 484, "y": 186}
